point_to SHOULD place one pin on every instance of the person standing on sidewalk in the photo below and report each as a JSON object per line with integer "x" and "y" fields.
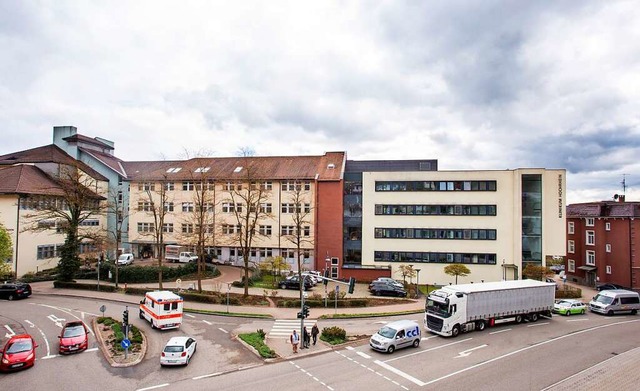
{"x": 306, "y": 339}
{"x": 314, "y": 333}
{"x": 295, "y": 340}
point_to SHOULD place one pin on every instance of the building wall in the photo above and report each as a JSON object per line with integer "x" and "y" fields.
{"x": 507, "y": 221}
{"x": 329, "y": 211}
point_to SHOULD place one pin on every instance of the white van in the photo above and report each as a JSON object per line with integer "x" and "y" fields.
{"x": 615, "y": 300}
{"x": 163, "y": 309}
{"x": 396, "y": 335}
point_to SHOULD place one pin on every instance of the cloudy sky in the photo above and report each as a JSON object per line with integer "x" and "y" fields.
{"x": 474, "y": 84}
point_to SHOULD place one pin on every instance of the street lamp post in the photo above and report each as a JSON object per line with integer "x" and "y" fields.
{"x": 417, "y": 283}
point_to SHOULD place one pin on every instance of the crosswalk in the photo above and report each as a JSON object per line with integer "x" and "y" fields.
{"x": 282, "y": 328}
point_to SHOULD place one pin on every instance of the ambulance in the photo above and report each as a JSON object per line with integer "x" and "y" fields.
{"x": 163, "y": 309}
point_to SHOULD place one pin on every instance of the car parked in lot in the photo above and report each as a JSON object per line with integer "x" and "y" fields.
{"x": 386, "y": 280}
{"x": 125, "y": 259}
{"x": 15, "y": 290}
{"x": 178, "y": 351}
{"x": 387, "y": 289}
{"x": 569, "y": 307}
{"x": 74, "y": 337}
{"x": 609, "y": 286}
{"x": 18, "y": 353}
{"x": 293, "y": 282}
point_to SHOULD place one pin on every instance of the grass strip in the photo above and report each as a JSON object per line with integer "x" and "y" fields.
{"x": 232, "y": 314}
{"x": 257, "y": 342}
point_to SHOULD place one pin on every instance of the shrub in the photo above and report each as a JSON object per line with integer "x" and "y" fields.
{"x": 257, "y": 341}
{"x": 261, "y": 333}
{"x": 138, "y": 274}
{"x": 88, "y": 287}
{"x": 333, "y": 335}
{"x": 332, "y": 295}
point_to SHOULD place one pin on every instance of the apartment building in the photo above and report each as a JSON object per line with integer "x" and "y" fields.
{"x": 602, "y": 242}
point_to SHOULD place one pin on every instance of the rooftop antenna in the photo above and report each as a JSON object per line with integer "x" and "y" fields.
{"x": 624, "y": 184}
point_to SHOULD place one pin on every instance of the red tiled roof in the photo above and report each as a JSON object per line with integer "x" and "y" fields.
{"x": 604, "y": 209}
{"x": 27, "y": 179}
{"x": 48, "y": 154}
{"x": 328, "y": 167}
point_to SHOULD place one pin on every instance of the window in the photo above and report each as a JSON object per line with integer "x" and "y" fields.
{"x": 207, "y": 185}
{"x": 266, "y": 252}
{"x": 607, "y": 226}
{"x": 230, "y": 186}
{"x": 90, "y": 223}
{"x": 187, "y": 206}
{"x": 591, "y": 258}
{"x": 571, "y": 228}
{"x": 307, "y": 208}
{"x": 458, "y": 210}
{"x": 202, "y": 169}
{"x": 571, "y": 246}
{"x": 590, "y": 222}
{"x": 608, "y": 268}
{"x": 607, "y": 247}
{"x": 306, "y": 230}
{"x": 266, "y": 207}
{"x": 167, "y": 228}
{"x": 288, "y": 208}
{"x": 188, "y": 186}
{"x": 187, "y": 228}
{"x": 571, "y": 265}
{"x": 46, "y": 251}
{"x": 173, "y": 170}
{"x": 169, "y": 186}
{"x": 120, "y": 197}
{"x": 265, "y": 230}
{"x": 266, "y": 185}
{"x": 228, "y": 229}
{"x": 144, "y": 206}
{"x": 287, "y": 230}
{"x": 591, "y": 238}
{"x": 146, "y": 186}
{"x": 435, "y": 186}
{"x": 230, "y": 207}
{"x": 168, "y": 206}
{"x": 146, "y": 227}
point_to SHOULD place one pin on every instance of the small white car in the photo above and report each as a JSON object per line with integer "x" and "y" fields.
{"x": 178, "y": 351}
{"x": 125, "y": 259}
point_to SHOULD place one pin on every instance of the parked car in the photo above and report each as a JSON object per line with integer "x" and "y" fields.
{"x": 386, "y": 280}
{"x": 15, "y": 290}
{"x": 569, "y": 307}
{"x": 387, "y": 289}
{"x": 125, "y": 259}
{"x": 551, "y": 281}
{"x": 18, "y": 353}
{"x": 74, "y": 337}
{"x": 610, "y": 286}
{"x": 556, "y": 268}
{"x": 178, "y": 351}
{"x": 293, "y": 282}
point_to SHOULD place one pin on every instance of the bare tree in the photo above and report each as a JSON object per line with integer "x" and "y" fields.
{"x": 406, "y": 271}
{"x": 116, "y": 207}
{"x": 299, "y": 234}
{"x": 155, "y": 203}
{"x": 73, "y": 199}
{"x": 246, "y": 201}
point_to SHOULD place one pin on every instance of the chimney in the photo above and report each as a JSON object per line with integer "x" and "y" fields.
{"x": 621, "y": 198}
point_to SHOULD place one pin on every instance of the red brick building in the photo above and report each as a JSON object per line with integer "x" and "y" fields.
{"x": 602, "y": 243}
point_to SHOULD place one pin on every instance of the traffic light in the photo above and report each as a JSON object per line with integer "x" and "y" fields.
{"x": 352, "y": 284}
{"x": 325, "y": 281}
{"x": 125, "y": 317}
{"x": 299, "y": 315}
{"x": 305, "y": 311}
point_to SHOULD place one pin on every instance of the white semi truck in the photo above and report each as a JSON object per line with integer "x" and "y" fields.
{"x": 453, "y": 309}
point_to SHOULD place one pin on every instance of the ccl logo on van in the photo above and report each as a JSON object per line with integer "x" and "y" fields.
{"x": 414, "y": 333}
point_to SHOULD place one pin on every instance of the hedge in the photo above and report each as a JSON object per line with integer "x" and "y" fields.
{"x": 84, "y": 286}
{"x": 141, "y": 274}
{"x": 295, "y": 303}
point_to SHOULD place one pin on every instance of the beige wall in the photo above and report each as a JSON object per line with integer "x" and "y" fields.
{"x": 507, "y": 221}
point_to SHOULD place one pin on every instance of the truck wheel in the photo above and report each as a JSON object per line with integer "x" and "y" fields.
{"x": 480, "y": 325}
{"x": 141, "y": 315}
{"x": 455, "y": 331}
{"x": 610, "y": 313}
{"x": 391, "y": 349}
{"x": 416, "y": 343}
{"x": 518, "y": 318}
{"x": 153, "y": 325}
{"x": 533, "y": 317}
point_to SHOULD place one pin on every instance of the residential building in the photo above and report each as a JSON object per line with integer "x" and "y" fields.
{"x": 602, "y": 240}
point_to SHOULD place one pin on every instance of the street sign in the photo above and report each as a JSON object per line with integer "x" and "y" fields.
{"x": 103, "y": 308}
{"x": 337, "y": 288}
{"x": 125, "y": 343}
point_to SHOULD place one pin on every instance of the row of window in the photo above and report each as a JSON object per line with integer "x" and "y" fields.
{"x": 571, "y": 267}
{"x": 47, "y": 251}
{"x": 589, "y": 222}
{"x": 228, "y": 186}
{"x": 457, "y": 210}
{"x": 436, "y": 233}
{"x": 436, "y": 185}
{"x": 434, "y": 257}
{"x": 227, "y": 207}
{"x": 51, "y": 203}
{"x": 226, "y": 229}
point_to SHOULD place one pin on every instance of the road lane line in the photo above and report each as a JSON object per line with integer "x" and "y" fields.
{"x": 153, "y": 387}
{"x": 369, "y": 369}
{"x": 223, "y": 330}
{"x": 577, "y": 320}
{"x": 500, "y": 331}
{"x": 206, "y": 376}
{"x": 431, "y": 349}
{"x": 310, "y": 375}
{"x": 538, "y": 324}
{"x": 350, "y": 348}
{"x": 428, "y": 338}
{"x": 400, "y": 373}
{"x": 46, "y": 341}
{"x": 527, "y": 348}
{"x": 67, "y": 312}
{"x": 207, "y": 322}
{"x": 189, "y": 315}
{"x": 363, "y": 355}
{"x": 91, "y": 350}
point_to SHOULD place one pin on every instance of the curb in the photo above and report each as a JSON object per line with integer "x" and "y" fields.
{"x": 110, "y": 360}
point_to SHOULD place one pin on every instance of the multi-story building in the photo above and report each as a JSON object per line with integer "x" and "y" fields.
{"x": 494, "y": 222}
{"x": 602, "y": 240}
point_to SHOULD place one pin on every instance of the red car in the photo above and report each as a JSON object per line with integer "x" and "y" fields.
{"x": 74, "y": 337}
{"x": 18, "y": 353}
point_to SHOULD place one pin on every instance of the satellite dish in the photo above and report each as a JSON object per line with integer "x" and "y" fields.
{"x": 615, "y": 196}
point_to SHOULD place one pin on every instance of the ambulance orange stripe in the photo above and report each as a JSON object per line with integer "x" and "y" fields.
{"x": 153, "y": 315}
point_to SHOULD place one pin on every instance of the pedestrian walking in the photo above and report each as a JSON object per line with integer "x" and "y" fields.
{"x": 306, "y": 338}
{"x": 295, "y": 340}
{"x": 314, "y": 333}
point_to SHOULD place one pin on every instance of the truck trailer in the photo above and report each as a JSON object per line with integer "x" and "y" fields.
{"x": 453, "y": 309}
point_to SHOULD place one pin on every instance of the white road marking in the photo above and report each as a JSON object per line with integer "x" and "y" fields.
{"x": 67, "y": 311}
{"x": 350, "y": 348}
{"x": 310, "y": 375}
{"x": 206, "y": 376}
{"x": 428, "y": 350}
{"x": 467, "y": 352}
{"x": 577, "y": 320}
{"x": 428, "y": 338}
{"x": 400, "y": 373}
{"x": 223, "y": 330}
{"x": 207, "y": 322}
{"x": 500, "y": 331}
{"x": 369, "y": 369}
{"x": 46, "y": 341}
{"x": 11, "y": 333}
{"x": 189, "y": 315}
{"x": 363, "y": 355}
{"x": 91, "y": 350}
{"x": 538, "y": 324}
{"x": 526, "y": 348}
{"x": 153, "y": 387}
{"x": 56, "y": 320}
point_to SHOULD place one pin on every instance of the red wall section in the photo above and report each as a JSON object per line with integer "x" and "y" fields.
{"x": 364, "y": 275}
{"x": 329, "y": 215}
